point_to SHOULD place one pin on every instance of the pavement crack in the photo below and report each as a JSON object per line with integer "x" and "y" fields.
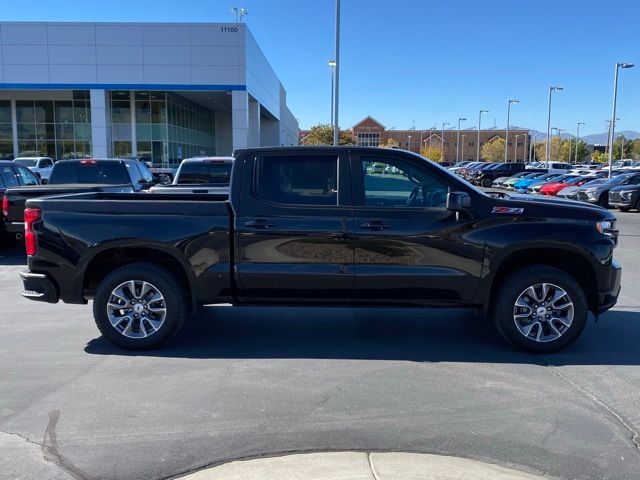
{"x": 19, "y": 435}
{"x": 373, "y": 470}
{"x": 633, "y": 434}
{"x": 52, "y": 453}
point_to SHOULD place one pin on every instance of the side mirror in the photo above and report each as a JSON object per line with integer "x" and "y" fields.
{"x": 458, "y": 201}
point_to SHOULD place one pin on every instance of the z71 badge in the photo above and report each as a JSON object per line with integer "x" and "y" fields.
{"x": 508, "y": 210}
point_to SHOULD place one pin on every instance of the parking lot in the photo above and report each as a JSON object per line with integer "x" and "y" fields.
{"x": 240, "y": 383}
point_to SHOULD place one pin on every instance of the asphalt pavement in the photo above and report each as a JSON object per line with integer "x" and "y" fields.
{"x": 254, "y": 382}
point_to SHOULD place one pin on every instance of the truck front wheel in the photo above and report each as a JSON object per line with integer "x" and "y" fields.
{"x": 540, "y": 309}
{"x": 139, "y": 306}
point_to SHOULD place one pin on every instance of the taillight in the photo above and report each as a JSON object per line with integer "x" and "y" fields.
{"x": 88, "y": 162}
{"x": 31, "y": 215}
{"x": 5, "y": 206}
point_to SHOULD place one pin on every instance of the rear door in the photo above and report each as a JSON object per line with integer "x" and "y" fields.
{"x": 293, "y": 227}
{"x": 409, "y": 249}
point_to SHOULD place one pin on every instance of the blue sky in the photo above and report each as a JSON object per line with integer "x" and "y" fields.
{"x": 428, "y": 61}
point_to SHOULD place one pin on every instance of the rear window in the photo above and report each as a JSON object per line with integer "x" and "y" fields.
{"x": 205, "y": 172}
{"x": 88, "y": 171}
{"x": 298, "y": 180}
{"x": 27, "y": 162}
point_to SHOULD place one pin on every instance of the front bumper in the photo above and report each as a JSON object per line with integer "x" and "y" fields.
{"x": 608, "y": 297}
{"x": 39, "y": 287}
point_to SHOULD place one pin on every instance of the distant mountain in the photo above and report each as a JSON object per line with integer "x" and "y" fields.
{"x": 595, "y": 139}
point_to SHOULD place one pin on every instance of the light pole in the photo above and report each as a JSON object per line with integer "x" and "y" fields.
{"x": 332, "y": 65}
{"x": 336, "y": 128}
{"x": 479, "y": 124}
{"x": 506, "y": 134}
{"x": 462, "y": 150}
{"x": 460, "y": 119}
{"x": 548, "y": 151}
{"x": 240, "y": 12}
{"x": 515, "y": 149}
{"x": 613, "y": 113}
{"x": 575, "y": 159}
{"x": 442, "y": 142}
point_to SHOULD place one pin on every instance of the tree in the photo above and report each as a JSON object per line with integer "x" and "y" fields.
{"x": 390, "y": 143}
{"x": 635, "y": 149}
{"x": 493, "y": 151}
{"x": 617, "y": 148}
{"x": 599, "y": 157}
{"x": 322, "y": 134}
{"x": 567, "y": 150}
{"x": 556, "y": 145}
{"x": 432, "y": 153}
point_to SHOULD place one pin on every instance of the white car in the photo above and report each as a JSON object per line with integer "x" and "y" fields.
{"x": 554, "y": 167}
{"x": 41, "y": 166}
{"x": 200, "y": 175}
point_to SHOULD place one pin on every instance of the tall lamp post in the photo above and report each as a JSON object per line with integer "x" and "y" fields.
{"x": 479, "y": 124}
{"x": 506, "y": 134}
{"x": 515, "y": 149}
{"x": 531, "y": 144}
{"x": 575, "y": 158}
{"x": 336, "y": 128}
{"x": 460, "y": 119}
{"x": 462, "y": 150}
{"x": 332, "y": 65}
{"x": 442, "y": 142}
{"x": 613, "y": 113}
{"x": 548, "y": 151}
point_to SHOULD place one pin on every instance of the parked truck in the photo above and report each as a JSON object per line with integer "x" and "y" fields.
{"x": 318, "y": 226}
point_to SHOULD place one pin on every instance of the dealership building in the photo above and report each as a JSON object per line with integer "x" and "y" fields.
{"x": 160, "y": 91}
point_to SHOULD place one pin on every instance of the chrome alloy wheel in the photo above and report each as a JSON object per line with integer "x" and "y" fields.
{"x": 136, "y": 309}
{"x": 543, "y": 312}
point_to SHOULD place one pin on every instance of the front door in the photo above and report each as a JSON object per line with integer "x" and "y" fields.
{"x": 409, "y": 249}
{"x": 293, "y": 230}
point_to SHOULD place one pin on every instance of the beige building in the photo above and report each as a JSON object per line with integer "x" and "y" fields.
{"x": 371, "y": 133}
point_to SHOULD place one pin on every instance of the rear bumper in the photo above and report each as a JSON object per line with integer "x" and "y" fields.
{"x": 608, "y": 297}
{"x": 14, "y": 227}
{"x": 39, "y": 287}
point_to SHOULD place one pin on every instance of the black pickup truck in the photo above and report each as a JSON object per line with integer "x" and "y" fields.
{"x": 75, "y": 176}
{"x": 322, "y": 226}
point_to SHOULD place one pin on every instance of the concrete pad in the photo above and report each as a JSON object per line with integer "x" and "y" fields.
{"x": 21, "y": 459}
{"x": 416, "y": 466}
{"x": 307, "y": 466}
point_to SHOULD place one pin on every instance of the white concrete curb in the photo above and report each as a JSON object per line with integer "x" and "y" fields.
{"x": 360, "y": 466}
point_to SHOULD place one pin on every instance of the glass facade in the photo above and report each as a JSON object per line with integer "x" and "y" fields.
{"x": 168, "y": 127}
{"x": 59, "y": 129}
{"x": 6, "y": 142}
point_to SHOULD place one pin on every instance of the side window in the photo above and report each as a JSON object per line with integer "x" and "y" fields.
{"x": 291, "y": 180}
{"x": 9, "y": 176}
{"x": 397, "y": 183}
{"x": 134, "y": 173}
{"x": 46, "y": 163}
{"x": 26, "y": 177}
{"x": 146, "y": 175}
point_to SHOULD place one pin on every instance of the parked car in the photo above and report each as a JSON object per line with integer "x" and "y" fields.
{"x": 458, "y": 166}
{"x": 13, "y": 175}
{"x": 41, "y": 166}
{"x": 554, "y": 167}
{"x": 502, "y": 182}
{"x": 313, "y": 226}
{"x": 626, "y": 196}
{"x": 462, "y": 172}
{"x": 200, "y": 175}
{"x": 571, "y": 192}
{"x": 523, "y": 185}
{"x": 486, "y": 177}
{"x": 468, "y": 171}
{"x": 73, "y": 176}
{"x": 524, "y": 180}
{"x": 555, "y": 187}
{"x": 599, "y": 194}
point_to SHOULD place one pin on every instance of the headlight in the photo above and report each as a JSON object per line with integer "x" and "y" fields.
{"x": 625, "y": 193}
{"x": 591, "y": 193}
{"x": 607, "y": 227}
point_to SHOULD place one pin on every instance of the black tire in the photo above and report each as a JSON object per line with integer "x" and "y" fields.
{"x": 624, "y": 209}
{"x": 174, "y": 303}
{"x": 511, "y": 288}
{"x": 603, "y": 200}
{"x": 487, "y": 182}
{"x": 638, "y": 205}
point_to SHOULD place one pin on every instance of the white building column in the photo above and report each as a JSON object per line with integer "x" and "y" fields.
{"x": 100, "y": 124}
{"x": 254, "y": 123}
{"x": 240, "y": 118}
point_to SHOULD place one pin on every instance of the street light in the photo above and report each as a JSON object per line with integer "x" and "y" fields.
{"x": 240, "y": 12}
{"x": 442, "y": 142}
{"x": 506, "y": 135}
{"x": 336, "y": 128}
{"x": 613, "y": 113}
{"x": 460, "y": 119}
{"x": 479, "y": 123}
{"x": 332, "y": 65}
{"x": 575, "y": 159}
{"x": 515, "y": 149}
{"x": 548, "y": 151}
{"x": 462, "y": 150}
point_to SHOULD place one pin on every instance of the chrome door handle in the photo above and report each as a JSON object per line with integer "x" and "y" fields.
{"x": 374, "y": 225}
{"x": 260, "y": 223}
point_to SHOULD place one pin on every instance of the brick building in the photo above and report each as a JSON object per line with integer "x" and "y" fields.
{"x": 370, "y": 133}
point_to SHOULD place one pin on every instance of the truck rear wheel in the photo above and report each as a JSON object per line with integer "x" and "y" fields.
{"x": 540, "y": 309}
{"x": 139, "y": 306}
{"x": 487, "y": 182}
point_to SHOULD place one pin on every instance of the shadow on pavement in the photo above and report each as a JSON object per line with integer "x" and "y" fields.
{"x": 12, "y": 253}
{"x": 421, "y": 335}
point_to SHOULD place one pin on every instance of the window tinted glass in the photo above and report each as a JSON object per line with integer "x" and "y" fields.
{"x": 69, "y": 171}
{"x": 27, "y": 162}
{"x": 26, "y": 177}
{"x": 298, "y": 181}
{"x": 46, "y": 163}
{"x": 134, "y": 173}
{"x": 201, "y": 172}
{"x": 147, "y": 176}
{"x": 396, "y": 183}
{"x": 8, "y": 176}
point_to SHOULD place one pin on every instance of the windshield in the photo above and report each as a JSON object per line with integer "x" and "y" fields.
{"x": 205, "y": 172}
{"x": 27, "y": 162}
{"x": 89, "y": 171}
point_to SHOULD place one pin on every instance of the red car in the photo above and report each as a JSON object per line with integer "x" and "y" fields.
{"x": 553, "y": 188}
